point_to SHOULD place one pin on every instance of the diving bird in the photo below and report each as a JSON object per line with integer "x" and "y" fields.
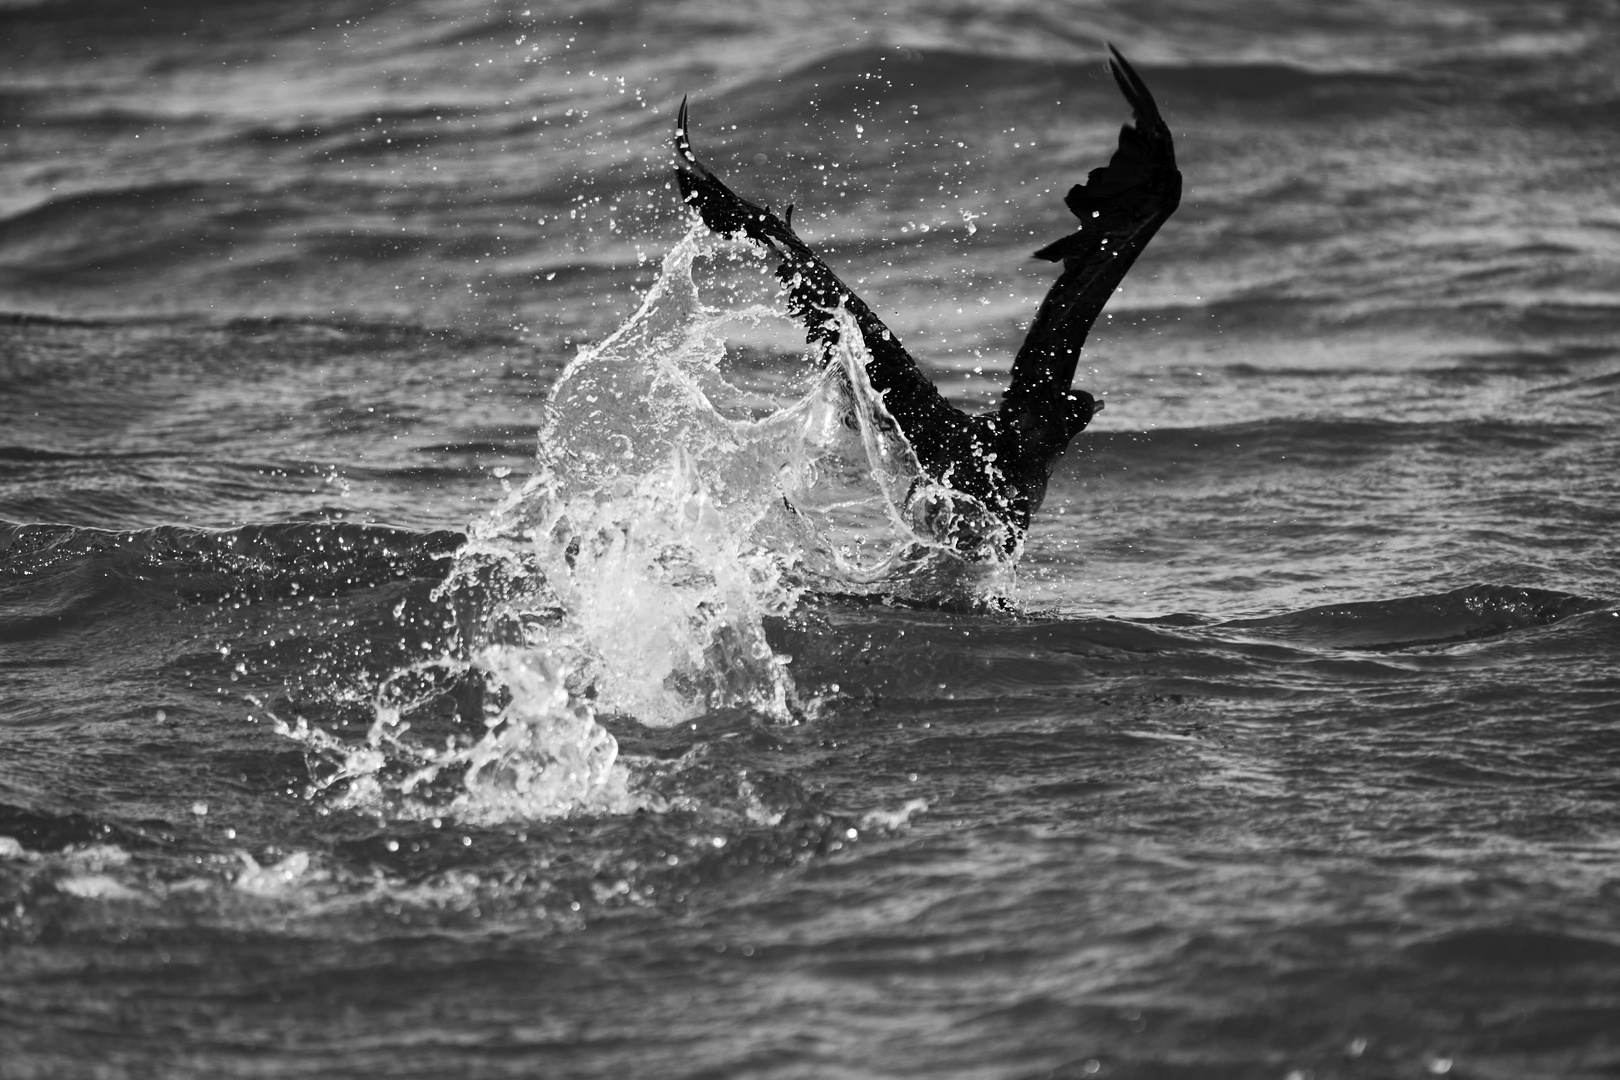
{"x": 1002, "y": 458}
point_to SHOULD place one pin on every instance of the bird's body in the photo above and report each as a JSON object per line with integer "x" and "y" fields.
{"x": 1002, "y": 458}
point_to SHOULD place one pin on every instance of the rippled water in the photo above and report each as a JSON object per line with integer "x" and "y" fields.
{"x": 410, "y": 664}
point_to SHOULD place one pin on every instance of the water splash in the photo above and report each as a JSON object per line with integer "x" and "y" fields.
{"x": 672, "y": 515}
{"x": 545, "y": 754}
{"x": 540, "y": 752}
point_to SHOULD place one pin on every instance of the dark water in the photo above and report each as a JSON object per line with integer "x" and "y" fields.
{"x": 345, "y": 733}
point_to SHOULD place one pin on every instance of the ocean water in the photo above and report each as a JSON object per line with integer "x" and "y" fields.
{"x": 409, "y": 666}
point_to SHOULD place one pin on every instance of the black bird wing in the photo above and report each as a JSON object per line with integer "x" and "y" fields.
{"x": 814, "y": 293}
{"x": 1120, "y": 207}
{"x": 1004, "y": 459}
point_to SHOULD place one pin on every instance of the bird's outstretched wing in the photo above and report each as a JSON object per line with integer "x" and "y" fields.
{"x": 1004, "y": 459}
{"x": 1120, "y": 207}
{"x": 814, "y": 293}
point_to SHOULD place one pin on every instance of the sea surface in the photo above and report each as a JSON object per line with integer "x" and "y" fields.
{"x": 449, "y": 629}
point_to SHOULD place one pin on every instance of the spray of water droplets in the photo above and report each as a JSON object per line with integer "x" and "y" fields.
{"x": 635, "y": 572}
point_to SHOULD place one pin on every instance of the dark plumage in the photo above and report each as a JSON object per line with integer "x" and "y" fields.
{"x": 1004, "y": 458}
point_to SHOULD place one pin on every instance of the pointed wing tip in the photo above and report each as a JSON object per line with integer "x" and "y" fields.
{"x": 1136, "y": 93}
{"x": 684, "y": 157}
{"x": 1120, "y": 66}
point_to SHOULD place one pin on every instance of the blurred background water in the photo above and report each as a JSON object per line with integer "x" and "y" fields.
{"x": 1289, "y": 750}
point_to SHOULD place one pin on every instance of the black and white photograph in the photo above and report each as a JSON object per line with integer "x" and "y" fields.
{"x": 965, "y": 540}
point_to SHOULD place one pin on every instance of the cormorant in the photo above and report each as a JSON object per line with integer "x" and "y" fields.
{"x": 1002, "y": 458}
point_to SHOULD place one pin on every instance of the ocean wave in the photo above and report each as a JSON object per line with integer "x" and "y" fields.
{"x": 1303, "y": 84}
{"x": 36, "y": 829}
{"x": 1466, "y": 614}
{"x": 906, "y": 658}
{"x": 194, "y": 564}
{"x": 88, "y": 235}
{"x": 206, "y": 344}
{"x": 163, "y": 21}
{"x": 1514, "y": 949}
{"x": 850, "y": 78}
{"x": 1544, "y": 326}
{"x": 371, "y": 333}
{"x": 1603, "y": 388}
{"x": 35, "y": 453}
{"x": 855, "y": 652}
{"x": 74, "y": 207}
{"x": 1306, "y": 442}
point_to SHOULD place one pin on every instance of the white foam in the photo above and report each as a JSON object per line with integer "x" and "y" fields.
{"x": 634, "y": 572}
{"x": 97, "y": 887}
{"x": 276, "y": 880}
